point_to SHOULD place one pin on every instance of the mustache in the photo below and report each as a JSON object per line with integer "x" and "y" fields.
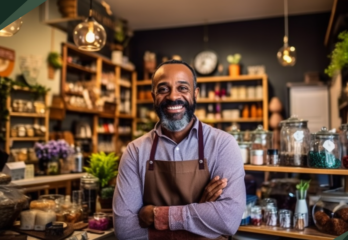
{"x": 167, "y": 103}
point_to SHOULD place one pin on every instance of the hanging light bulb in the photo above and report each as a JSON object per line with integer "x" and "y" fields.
{"x": 287, "y": 54}
{"x": 89, "y": 35}
{"x": 12, "y": 28}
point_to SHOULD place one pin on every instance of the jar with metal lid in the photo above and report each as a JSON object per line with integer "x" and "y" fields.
{"x": 285, "y": 218}
{"x": 294, "y": 142}
{"x": 261, "y": 140}
{"x": 271, "y": 216}
{"x": 244, "y": 148}
{"x": 325, "y": 150}
{"x": 272, "y": 157}
{"x": 237, "y": 134}
{"x": 90, "y": 188}
{"x": 344, "y": 144}
{"x": 256, "y": 215}
{"x": 265, "y": 204}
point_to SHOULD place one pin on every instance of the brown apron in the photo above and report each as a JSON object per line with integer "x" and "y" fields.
{"x": 173, "y": 183}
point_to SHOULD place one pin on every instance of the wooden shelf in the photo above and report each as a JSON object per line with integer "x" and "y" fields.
{"x": 79, "y": 94}
{"x": 226, "y": 100}
{"x": 107, "y": 115}
{"x": 144, "y": 82}
{"x": 308, "y": 233}
{"x": 230, "y": 79}
{"x": 231, "y": 120}
{"x": 125, "y": 83}
{"x": 122, "y": 115}
{"x": 27, "y": 139}
{"x": 29, "y": 115}
{"x": 80, "y": 68}
{"x": 145, "y": 101}
{"x": 63, "y": 23}
{"x": 296, "y": 170}
{"x": 82, "y": 110}
{"x": 106, "y": 133}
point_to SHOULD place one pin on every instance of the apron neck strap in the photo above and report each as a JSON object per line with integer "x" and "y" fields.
{"x": 200, "y": 148}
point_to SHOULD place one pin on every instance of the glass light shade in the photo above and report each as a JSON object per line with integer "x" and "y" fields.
{"x": 287, "y": 56}
{"x": 89, "y": 35}
{"x": 12, "y": 28}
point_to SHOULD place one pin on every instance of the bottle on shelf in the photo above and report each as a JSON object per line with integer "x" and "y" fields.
{"x": 253, "y": 111}
{"x": 259, "y": 111}
{"x": 218, "y": 111}
{"x": 245, "y": 112}
{"x": 210, "y": 114}
{"x": 203, "y": 92}
{"x": 78, "y": 160}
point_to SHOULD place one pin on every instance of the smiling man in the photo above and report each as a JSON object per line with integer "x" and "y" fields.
{"x": 184, "y": 179}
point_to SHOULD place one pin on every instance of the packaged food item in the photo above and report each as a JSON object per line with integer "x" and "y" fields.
{"x": 55, "y": 230}
{"x": 42, "y": 204}
{"x": 42, "y": 218}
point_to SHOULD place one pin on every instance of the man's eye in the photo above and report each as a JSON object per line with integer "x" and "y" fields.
{"x": 183, "y": 89}
{"x": 162, "y": 90}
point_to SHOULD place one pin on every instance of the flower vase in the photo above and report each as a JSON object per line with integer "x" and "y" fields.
{"x": 301, "y": 204}
{"x": 53, "y": 166}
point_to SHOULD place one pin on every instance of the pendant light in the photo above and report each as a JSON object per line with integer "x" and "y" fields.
{"x": 89, "y": 35}
{"x": 287, "y": 54}
{"x": 12, "y": 28}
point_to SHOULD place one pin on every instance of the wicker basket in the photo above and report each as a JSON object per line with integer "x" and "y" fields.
{"x": 10, "y": 210}
{"x": 4, "y": 179}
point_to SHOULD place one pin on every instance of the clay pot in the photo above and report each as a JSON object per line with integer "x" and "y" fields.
{"x": 68, "y": 8}
{"x": 275, "y": 105}
{"x": 234, "y": 70}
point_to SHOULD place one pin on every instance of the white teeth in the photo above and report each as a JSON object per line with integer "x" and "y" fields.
{"x": 174, "y": 107}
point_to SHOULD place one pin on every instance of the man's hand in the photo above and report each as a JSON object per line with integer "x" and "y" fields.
{"x": 146, "y": 216}
{"x": 213, "y": 190}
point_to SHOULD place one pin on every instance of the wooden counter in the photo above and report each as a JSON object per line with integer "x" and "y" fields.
{"x": 49, "y": 182}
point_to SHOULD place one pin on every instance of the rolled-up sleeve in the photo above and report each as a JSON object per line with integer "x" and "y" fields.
{"x": 222, "y": 217}
{"x": 128, "y": 198}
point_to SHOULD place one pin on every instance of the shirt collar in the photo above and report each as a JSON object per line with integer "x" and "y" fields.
{"x": 193, "y": 131}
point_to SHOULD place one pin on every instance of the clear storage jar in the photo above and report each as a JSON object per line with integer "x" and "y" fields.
{"x": 261, "y": 140}
{"x": 237, "y": 134}
{"x": 245, "y": 151}
{"x": 256, "y": 215}
{"x": 294, "y": 142}
{"x": 325, "y": 150}
{"x": 330, "y": 213}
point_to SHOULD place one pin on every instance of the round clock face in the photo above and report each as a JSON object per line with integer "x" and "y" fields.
{"x": 206, "y": 62}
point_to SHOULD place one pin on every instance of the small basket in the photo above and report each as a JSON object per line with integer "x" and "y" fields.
{"x": 10, "y": 210}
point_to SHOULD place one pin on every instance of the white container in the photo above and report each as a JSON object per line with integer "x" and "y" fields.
{"x": 251, "y": 92}
{"x": 245, "y": 151}
{"x": 42, "y": 218}
{"x": 256, "y": 157}
{"x": 242, "y": 92}
{"x": 234, "y": 113}
{"x": 116, "y": 57}
{"x": 259, "y": 92}
{"x": 28, "y": 219}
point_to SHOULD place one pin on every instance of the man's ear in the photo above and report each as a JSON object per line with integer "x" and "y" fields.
{"x": 196, "y": 92}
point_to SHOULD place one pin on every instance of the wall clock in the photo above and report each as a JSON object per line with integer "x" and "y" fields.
{"x": 206, "y": 62}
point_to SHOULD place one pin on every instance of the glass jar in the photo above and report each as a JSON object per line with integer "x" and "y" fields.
{"x": 285, "y": 218}
{"x": 90, "y": 188}
{"x": 237, "y": 134}
{"x": 330, "y": 213}
{"x": 325, "y": 150}
{"x": 99, "y": 221}
{"x": 265, "y": 204}
{"x": 261, "y": 140}
{"x": 242, "y": 92}
{"x": 344, "y": 144}
{"x": 256, "y": 157}
{"x": 299, "y": 221}
{"x": 256, "y": 215}
{"x": 271, "y": 216}
{"x": 244, "y": 150}
{"x": 272, "y": 157}
{"x": 294, "y": 142}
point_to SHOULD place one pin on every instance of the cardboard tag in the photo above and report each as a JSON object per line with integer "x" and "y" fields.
{"x": 298, "y": 135}
{"x": 329, "y": 145}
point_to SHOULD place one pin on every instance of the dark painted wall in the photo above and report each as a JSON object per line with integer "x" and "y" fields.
{"x": 258, "y": 41}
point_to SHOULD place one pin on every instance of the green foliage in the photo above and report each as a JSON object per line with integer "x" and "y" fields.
{"x": 104, "y": 167}
{"x": 234, "y": 59}
{"x": 54, "y": 60}
{"x": 302, "y": 187}
{"x": 107, "y": 192}
{"x": 339, "y": 56}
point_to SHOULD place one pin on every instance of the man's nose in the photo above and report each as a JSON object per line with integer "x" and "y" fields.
{"x": 173, "y": 95}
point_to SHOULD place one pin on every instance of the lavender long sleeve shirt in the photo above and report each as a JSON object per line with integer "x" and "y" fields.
{"x": 210, "y": 219}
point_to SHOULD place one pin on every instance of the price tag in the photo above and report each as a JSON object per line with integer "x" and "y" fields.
{"x": 329, "y": 145}
{"x": 298, "y": 135}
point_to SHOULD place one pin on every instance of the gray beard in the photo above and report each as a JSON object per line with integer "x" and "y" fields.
{"x": 175, "y": 125}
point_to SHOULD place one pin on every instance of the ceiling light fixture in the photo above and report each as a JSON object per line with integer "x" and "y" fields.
{"x": 287, "y": 54}
{"x": 12, "y": 28}
{"x": 89, "y": 35}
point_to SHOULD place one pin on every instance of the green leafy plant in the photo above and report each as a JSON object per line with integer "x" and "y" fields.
{"x": 54, "y": 60}
{"x": 104, "y": 167}
{"x": 338, "y": 56}
{"x": 234, "y": 59}
{"x": 302, "y": 187}
{"x": 107, "y": 192}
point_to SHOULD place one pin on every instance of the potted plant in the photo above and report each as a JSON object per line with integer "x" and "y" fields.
{"x": 234, "y": 67}
{"x": 338, "y": 56}
{"x": 54, "y": 62}
{"x": 105, "y": 168}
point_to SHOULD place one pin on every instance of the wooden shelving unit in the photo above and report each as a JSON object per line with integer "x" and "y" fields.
{"x": 296, "y": 170}
{"x": 102, "y": 65}
{"x": 37, "y": 118}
